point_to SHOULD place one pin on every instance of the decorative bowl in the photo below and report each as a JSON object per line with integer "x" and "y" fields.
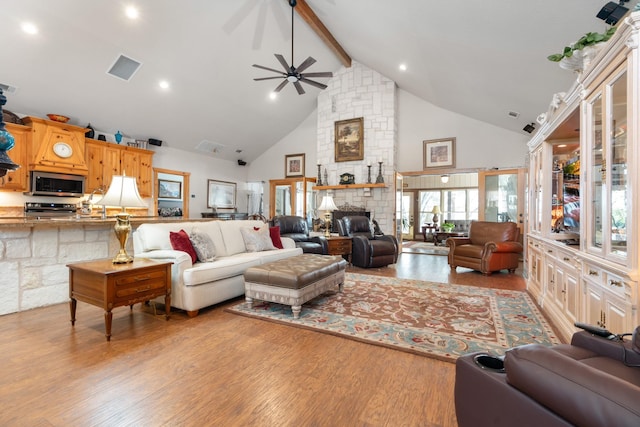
{"x": 58, "y": 118}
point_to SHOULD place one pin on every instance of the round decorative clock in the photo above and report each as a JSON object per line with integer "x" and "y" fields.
{"x": 62, "y": 149}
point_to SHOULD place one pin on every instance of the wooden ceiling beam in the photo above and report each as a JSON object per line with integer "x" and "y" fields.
{"x": 316, "y": 25}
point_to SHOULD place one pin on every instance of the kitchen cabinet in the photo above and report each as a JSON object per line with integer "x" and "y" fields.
{"x": 56, "y": 147}
{"x": 17, "y": 180}
{"x": 107, "y": 159}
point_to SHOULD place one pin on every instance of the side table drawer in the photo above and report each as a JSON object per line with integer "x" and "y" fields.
{"x": 139, "y": 287}
{"x": 342, "y": 247}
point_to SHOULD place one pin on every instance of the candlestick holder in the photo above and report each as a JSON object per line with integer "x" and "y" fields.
{"x": 319, "y": 175}
{"x": 369, "y": 174}
{"x": 379, "y": 178}
{"x": 326, "y": 177}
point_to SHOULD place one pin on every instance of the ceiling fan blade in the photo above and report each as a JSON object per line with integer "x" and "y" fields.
{"x": 312, "y": 83}
{"x": 320, "y": 74}
{"x": 306, "y": 64}
{"x": 282, "y": 61}
{"x": 299, "y": 88}
{"x": 269, "y": 69}
{"x": 267, "y": 78}
{"x": 281, "y": 85}
{"x": 260, "y": 24}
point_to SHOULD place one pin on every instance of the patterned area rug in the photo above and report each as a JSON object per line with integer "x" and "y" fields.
{"x": 432, "y": 319}
{"x": 427, "y": 248}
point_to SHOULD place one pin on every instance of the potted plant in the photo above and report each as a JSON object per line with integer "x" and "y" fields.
{"x": 447, "y": 227}
{"x": 573, "y": 56}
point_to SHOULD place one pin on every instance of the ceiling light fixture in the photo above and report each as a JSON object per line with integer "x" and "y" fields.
{"x": 132, "y": 12}
{"x": 164, "y": 84}
{"x": 403, "y": 67}
{"x": 444, "y": 179}
{"x": 29, "y": 28}
{"x": 611, "y": 12}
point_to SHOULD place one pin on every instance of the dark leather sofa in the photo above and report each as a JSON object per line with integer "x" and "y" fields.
{"x": 590, "y": 383}
{"x": 367, "y": 248}
{"x": 491, "y": 246}
{"x": 296, "y": 228}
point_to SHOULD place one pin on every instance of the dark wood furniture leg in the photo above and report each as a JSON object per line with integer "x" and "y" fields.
{"x": 73, "y": 303}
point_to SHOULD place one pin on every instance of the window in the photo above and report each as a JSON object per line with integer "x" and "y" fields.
{"x": 458, "y": 204}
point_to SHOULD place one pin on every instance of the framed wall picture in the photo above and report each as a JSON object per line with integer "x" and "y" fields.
{"x": 439, "y": 153}
{"x": 221, "y": 194}
{"x": 293, "y": 165}
{"x": 169, "y": 189}
{"x": 349, "y": 140}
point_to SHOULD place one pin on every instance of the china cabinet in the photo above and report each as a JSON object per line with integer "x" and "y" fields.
{"x": 582, "y": 250}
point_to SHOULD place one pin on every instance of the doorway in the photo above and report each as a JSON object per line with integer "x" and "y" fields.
{"x": 177, "y": 204}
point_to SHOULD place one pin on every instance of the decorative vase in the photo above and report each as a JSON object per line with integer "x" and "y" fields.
{"x": 118, "y": 137}
{"x": 91, "y": 132}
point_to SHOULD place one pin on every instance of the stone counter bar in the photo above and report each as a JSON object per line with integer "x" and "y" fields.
{"x": 34, "y": 254}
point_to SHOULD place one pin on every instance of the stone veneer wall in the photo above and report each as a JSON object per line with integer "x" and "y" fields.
{"x": 33, "y": 271}
{"x": 361, "y": 92}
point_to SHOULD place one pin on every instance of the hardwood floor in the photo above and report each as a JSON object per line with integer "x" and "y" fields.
{"x": 219, "y": 369}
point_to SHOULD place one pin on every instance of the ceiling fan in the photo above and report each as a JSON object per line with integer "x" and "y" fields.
{"x": 291, "y": 73}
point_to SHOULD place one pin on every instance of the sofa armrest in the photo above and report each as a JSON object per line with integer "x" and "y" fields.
{"x": 579, "y": 393}
{"x": 452, "y": 242}
{"x": 287, "y": 243}
{"x": 503, "y": 247}
{"x": 617, "y": 350}
{"x": 181, "y": 261}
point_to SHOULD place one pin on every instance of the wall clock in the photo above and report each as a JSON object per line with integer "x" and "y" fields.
{"x": 62, "y": 149}
{"x": 347, "y": 178}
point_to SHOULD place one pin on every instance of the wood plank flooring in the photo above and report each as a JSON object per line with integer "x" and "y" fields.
{"x": 219, "y": 369}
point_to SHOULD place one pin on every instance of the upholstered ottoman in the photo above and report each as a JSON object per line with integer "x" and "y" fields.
{"x": 294, "y": 281}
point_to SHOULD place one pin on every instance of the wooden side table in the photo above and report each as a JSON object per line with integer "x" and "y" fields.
{"x": 430, "y": 228}
{"x": 340, "y": 245}
{"x": 105, "y": 284}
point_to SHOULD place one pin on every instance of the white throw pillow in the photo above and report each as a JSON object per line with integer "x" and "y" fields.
{"x": 257, "y": 239}
{"x": 202, "y": 243}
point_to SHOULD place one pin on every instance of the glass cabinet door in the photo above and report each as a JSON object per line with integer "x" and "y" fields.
{"x": 617, "y": 132}
{"x": 607, "y": 119}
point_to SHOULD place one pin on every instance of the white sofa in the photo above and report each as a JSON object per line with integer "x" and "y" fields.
{"x": 199, "y": 285}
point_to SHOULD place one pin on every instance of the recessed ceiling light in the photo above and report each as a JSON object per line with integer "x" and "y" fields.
{"x": 403, "y": 67}
{"x": 562, "y": 145}
{"x": 132, "y": 12}
{"x": 164, "y": 84}
{"x": 29, "y": 28}
{"x": 273, "y": 96}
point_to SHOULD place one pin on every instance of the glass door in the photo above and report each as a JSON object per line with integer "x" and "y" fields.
{"x": 502, "y": 196}
{"x": 408, "y": 225}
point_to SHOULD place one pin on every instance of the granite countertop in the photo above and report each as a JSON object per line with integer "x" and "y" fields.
{"x": 73, "y": 221}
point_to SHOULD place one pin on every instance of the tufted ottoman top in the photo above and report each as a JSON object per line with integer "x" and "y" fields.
{"x": 295, "y": 272}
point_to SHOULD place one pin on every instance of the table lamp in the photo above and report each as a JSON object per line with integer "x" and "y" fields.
{"x": 123, "y": 193}
{"x": 328, "y": 206}
{"x": 435, "y": 211}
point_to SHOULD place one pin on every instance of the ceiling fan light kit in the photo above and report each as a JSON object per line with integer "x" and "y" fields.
{"x": 292, "y": 74}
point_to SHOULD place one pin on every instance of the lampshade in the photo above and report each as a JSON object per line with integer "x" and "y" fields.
{"x": 435, "y": 210}
{"x": 123, "y": 192}
{"x": 327, "y": 204}
{"x": 444, "y": 179}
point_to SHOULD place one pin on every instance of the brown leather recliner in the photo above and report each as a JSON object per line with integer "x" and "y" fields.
{"x": 368, "y": 249}
{"x": 593, "y": 382}
{"x": 491, "y": 246}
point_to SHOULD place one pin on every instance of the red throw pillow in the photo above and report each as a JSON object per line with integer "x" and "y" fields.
{"x": 274, "y": 232}
{"x": 180, "y": 242}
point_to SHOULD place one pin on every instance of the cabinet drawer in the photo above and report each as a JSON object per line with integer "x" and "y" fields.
{"x": 128, "y": 279}
{"x": 614, "y": 283}
{"x": 593, "y": 273}
{"x": 140, "y": 291}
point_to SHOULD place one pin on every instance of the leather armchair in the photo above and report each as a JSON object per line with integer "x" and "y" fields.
{"x": 491, "y": 246}
{"x": 296, "y": 228}
{"x": 591, "y": 382}
{"x": 368, "y": 250}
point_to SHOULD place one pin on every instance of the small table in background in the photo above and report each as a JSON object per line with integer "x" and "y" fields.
{"x": 340, "y": 245}
{"x": 431, "y": 228}
{"x": 441, "y": 236}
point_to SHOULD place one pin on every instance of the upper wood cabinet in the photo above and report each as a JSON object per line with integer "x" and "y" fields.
{"x": 56, "y": 147}
{"x": 107, "y": 159}
{"x": 17, "y": 180}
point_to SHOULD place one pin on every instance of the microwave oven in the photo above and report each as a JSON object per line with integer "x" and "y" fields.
{"x": 56, "y": 184}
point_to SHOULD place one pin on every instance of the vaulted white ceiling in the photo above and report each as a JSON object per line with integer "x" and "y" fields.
{"x": 479, "y": 58}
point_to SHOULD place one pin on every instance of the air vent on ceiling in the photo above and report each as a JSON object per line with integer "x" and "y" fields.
{"x": 124, "y": 68}
{"x": 8, "y": 88}
{"x": 513, "y": 114}
{"x": 209, "y": 147}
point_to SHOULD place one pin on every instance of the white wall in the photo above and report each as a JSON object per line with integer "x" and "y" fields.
{"x": 478, "y": 144}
